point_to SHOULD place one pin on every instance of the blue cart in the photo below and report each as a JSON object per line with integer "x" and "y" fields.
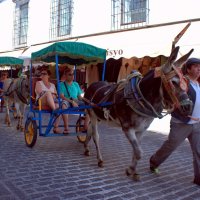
{"x": 73, "y": 53}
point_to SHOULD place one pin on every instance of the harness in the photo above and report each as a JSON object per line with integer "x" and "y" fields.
{"x": 142, "y": 106}
{"x": 19, "y": 91}
{"x": 7, "y": 93}
{"x": 166, "y": 80}
{"x": 135, "y": 99}
{"x": 111, "y": 88}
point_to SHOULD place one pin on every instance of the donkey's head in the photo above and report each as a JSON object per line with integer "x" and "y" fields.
{"x": 175, "y": 84}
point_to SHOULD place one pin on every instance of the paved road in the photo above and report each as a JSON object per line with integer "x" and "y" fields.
{"x": 56, "y": 169}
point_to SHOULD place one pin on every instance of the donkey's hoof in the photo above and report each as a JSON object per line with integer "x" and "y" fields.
{"x": 129, "y": 171}
{"x": 136, "y": 177}
{"x": 100, "y": 163}
{"x": 87, "y": 153}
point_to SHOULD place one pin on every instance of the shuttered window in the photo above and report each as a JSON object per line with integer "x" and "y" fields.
{"x": 20, "y": 24}
{"x": 129, "y": 13}
{"x": 61, "y": 18}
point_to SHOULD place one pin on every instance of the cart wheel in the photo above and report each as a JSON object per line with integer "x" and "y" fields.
{"x": 30, "y": 132}
{"x": 79, "y": 129}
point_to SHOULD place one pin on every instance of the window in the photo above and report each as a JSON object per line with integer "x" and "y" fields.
{"x": 61, "y": 18}
{"x": 20, "y": 24}
{"x": 129, "y": 13}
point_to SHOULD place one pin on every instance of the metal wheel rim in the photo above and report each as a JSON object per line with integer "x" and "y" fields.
{"x": 29, "y": 133}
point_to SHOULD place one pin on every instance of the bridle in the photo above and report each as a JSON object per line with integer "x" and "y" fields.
{"x": 168, "y": 84}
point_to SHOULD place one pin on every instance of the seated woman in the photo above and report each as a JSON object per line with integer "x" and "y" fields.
{"x": 46, "y": 92}
{"x": 70, "y": 93}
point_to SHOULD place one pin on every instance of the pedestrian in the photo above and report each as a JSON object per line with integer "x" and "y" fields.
{"x": 182, "y": 127}
{"x": 4, "y": 76}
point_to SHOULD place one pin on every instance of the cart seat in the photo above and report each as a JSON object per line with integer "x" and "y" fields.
{"x": 33, "y": 95}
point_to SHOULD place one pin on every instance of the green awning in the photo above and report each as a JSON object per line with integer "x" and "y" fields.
{"x": 73, "y": 53}
{"x": 11, "y": 61}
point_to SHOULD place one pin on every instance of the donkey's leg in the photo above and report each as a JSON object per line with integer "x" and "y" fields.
{"x": 95, "y": 137}
{"x": 17, "y": 106}
{"x": 93, "y": 132}
{"x": 89, "y": 132}
{"x": 137, "y": 152}
{"x": 22, "y": 107}
{"x": 14, "y": 111}
{"x": 7, "y": 115}
{"x": 88, "y": 138}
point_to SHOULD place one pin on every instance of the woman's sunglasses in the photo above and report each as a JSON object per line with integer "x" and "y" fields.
{"x": 70, "y": 74}
{"x": 43, "y": 74}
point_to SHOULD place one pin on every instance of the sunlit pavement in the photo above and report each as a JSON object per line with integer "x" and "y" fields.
{"x": 55, "y": 168}
{"x": 160, "y": 125}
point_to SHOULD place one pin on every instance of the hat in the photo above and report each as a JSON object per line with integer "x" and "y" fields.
{"x": 189, "y": 62}
{"x": 192, "y": 61}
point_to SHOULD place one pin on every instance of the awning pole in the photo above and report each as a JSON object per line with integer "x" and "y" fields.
{"x": 104, "y": 70}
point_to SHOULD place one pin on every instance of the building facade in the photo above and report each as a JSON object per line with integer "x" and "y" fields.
{"x": 123, "y": 27}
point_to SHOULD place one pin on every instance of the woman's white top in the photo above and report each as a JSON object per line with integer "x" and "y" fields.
{"x": 51, "y": 89}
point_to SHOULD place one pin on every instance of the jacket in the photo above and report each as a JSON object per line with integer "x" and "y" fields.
{"x": 177, "y": 114}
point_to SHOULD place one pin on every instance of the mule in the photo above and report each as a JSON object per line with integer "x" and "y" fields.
{"x": 135, "y": 102}
{"x": 16, "y": 91}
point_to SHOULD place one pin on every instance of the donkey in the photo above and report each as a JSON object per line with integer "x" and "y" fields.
{"x": 134, "y": 104}
{"x": 16, "y": 91}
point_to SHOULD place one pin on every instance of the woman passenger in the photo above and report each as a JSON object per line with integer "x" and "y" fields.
{"x": 46, "y": 92}
{"x": 71, "y": 95}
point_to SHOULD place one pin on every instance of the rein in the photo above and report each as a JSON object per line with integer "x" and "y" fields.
{"x": 155, "y": 113}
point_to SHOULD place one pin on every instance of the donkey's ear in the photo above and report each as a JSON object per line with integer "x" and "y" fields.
{"x": 173, "y": 54}
{"x": 182, "y": 60}
{"x": 168, "y": 65}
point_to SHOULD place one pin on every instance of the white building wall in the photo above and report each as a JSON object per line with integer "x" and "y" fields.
{"x": 94, "y": 16}
{"x": 39, "y": 21}
{"x": 6, "y": 25}
{"x": 91, "y": 16}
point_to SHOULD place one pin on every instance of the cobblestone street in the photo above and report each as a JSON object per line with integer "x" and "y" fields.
{"x": 55, "y": 168}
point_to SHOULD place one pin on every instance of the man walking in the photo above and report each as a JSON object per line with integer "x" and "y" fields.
{"x": 182, "y": 127}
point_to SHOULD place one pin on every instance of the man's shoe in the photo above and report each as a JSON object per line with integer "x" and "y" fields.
{"x": 155, "y": 170}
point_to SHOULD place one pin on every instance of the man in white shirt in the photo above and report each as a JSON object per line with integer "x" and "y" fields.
{"x": 182, "y": 127}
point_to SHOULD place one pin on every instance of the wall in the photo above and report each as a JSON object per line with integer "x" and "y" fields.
{"x": 93, "y": 16}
